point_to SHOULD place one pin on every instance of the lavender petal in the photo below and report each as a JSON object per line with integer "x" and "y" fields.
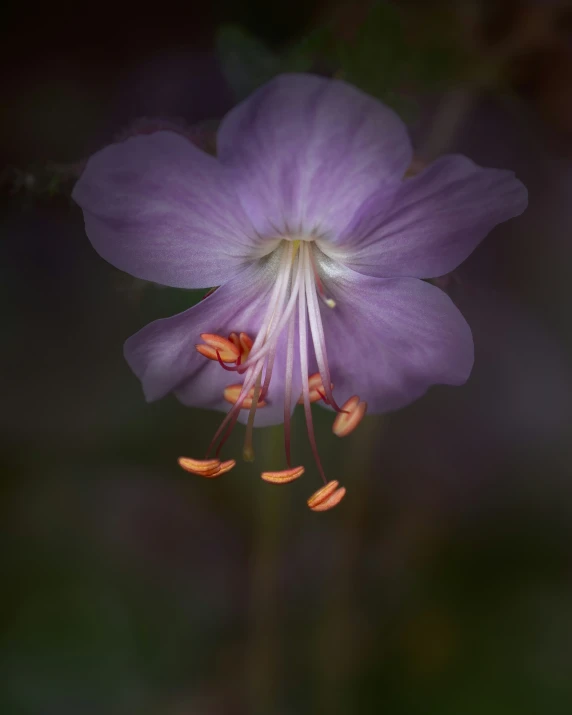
{"x": 432, "y": 222}
{"x": 389, "y": 340}
{"x": 307, "y": 151}
{"x": 159, "y": 208}
{"x": 163, "y": 356}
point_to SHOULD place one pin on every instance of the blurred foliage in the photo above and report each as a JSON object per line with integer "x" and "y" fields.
{"x": 443, "y": 585}
{"x": 46, "y": 181}
{"x": 378, "y": 58}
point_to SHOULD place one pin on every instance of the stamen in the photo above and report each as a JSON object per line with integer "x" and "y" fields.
{"x": 273, "y": 331}
{"x": 268, "y": 339}
{"x": 288, "y": 387}
{"x": 323, "y": 493}
{"x": 208, "y": 468}
{"x": 323, "y": 397}
{"x": 243, "y": 343}
{"x": 283, "y": 477}
{"x": 318, "y": 336}
{"x": 253, "y": 368}
{"x": 268, "y": 374}
{"x": 303, "y": 333}
{"x": 330, "y": 501}
{"x": 330, "y": 302}
{"x": 316, "y": 389}
{"x": 278, "y": 292}
{"x": 226, "y": 467}
{"x": 235, "y": 340}
{"x": 198, "y": 465}
{"x": 315, "y": 381}
{"x": 218, "y": 347}
{"x": 226, "y": 367}
{"x": 349, "y": 418}
{"x": 246, "y": 343}
{"x": 294, "y": 296}
{"x": 233, "y": 392}
{"x": 248, "y": 449}
{"x": 232, "y": 416}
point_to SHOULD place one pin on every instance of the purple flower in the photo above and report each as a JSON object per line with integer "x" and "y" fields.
{"x": 320, "y": 247}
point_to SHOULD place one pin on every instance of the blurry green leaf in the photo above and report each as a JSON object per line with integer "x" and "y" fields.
{"x": 246, "y": 62}
{"x": 34, "y": 182}
{"x": 379, "y": 58}
{"x": 319, "y": 45}
{"x": 378, "y": 54}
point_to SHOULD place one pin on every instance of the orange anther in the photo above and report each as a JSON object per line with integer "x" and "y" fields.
{"x": 206, "y": 467}
{"x": 315, "y": 381}
{"x": 243, "y": 344}
{"x": 235, "y": 340}
{"x": 322, "y": 494}
{"x": 216, "y": 346}
{"x": 287, "y": 475}
{"x": 225, "y": 467}
{"x": 232, "y": 393}
{"x": 316, "y": 388}
{"x": 331, "y": 501}
{"x": 198, "y": 465}
{"x": 202, "y": 467}
{"x": 246, "y": 344}
{"x": 350, "y": 417}
{"x": 210, "y": 474}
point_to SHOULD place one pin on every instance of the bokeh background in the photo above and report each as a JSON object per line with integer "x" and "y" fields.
{"x": 443, "y": 582}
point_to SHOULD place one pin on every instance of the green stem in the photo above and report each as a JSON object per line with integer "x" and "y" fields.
{"x": 263, "y": 648}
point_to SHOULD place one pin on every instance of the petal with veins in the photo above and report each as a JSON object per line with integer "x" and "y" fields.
{"x": 164, "y": 358}
{"x": 389, "y": 340}
{"x": 307, "y": 151}
{"x": 159, "y": 208}
{"x": 429, "y": 224}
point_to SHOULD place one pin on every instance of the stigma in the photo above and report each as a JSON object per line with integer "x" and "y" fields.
{"x": 294, "y": 309}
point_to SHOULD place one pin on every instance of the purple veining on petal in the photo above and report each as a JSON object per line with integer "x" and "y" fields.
{"x": 307, "y": 151}
{"x": 430, "y": 223}
{"x": 163, "y": 210}
{"x": 391, "y": 339}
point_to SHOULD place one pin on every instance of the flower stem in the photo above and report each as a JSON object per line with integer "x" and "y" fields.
{"x": 338, "y": 638}
{"x": 263, "y": 647}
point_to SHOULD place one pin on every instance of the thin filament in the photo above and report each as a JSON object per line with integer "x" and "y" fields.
{"x": 248, "y": 451}
{"x": 318, "y": 336}
{"x": 277, "y": 329}
{"x": 254, "y": 364}
{"x": 288, "y": 387}
{"x": 304, "y": 372}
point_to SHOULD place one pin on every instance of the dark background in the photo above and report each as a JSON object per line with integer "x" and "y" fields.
{"x": 442, "y": 583}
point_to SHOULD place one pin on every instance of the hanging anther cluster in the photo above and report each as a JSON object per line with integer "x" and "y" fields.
{"x": 293, "y": 308}
{"x": 235, "y": 350}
